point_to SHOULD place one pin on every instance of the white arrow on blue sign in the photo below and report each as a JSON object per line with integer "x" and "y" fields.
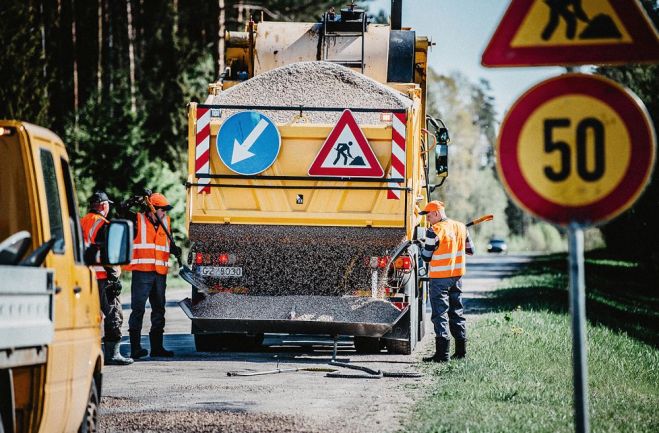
{"x": 248, "y": 143}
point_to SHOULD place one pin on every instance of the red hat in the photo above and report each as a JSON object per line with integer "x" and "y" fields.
{"x": 432, "y": 206}
{"x": 159, "y": 201}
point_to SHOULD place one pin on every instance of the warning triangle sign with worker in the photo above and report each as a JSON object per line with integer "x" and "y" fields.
{"x": 346, "y": 152}
{"x": 572, "y": 32}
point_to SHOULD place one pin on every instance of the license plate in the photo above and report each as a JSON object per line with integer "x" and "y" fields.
{"x": 220, "y": 271}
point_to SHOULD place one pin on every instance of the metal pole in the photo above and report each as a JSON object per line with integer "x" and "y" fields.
{"x": 578, "y": 317}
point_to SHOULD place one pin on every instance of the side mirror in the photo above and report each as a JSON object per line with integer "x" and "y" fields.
{"x": 115, "y": 249}
{"x": 118, "y": 243}
{"x": 441, "y": 152}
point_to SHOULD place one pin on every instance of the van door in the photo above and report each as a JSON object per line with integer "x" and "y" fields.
{"x": 86, "y": 305}
{"x": 60, "y": 357}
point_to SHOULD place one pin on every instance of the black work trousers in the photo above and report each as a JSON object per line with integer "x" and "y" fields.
{"x": 147, "y": 286}
{"x": 447, "y": 309}
{"x": 113, "y": 315}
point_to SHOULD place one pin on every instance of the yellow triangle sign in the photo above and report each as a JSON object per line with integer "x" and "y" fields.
{"x": 572, "y": 32}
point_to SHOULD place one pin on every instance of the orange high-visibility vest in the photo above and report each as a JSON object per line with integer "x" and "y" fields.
{"x": 91, "y": 224}
{"x": 448, "y": 260}
{"x": 151, "y": 246}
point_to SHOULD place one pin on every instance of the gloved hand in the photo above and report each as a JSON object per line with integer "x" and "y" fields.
{"x": 431, "y": 237}
{"x": 113, "y": 288}
{"x": 174, "y": 250}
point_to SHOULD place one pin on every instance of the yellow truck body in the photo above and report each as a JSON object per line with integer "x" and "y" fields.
{"x": 237, "y": 203}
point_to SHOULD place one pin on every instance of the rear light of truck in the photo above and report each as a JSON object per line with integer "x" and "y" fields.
{"x": 376, "y": 262}
{"x": 403, "y": 263}
{"x": 221, "y": 259}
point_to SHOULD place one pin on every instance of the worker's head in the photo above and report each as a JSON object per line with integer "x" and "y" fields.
{"x": 434, "y": 211}
{"x": 160, "y": 204}
{"x": 100, "y": 203}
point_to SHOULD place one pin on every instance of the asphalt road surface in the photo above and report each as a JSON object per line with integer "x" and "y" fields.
{"x": 192, "y": 391}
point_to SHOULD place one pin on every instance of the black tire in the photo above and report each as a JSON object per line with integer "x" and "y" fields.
{"x": 367, "y": 344}
{"x": 90, "y": 419}
{"x": 399, "y": 347}
{"x": 207, "y": 343}
{"x": 228, "y": 341}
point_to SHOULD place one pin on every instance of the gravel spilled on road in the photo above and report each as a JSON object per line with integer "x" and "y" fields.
{"x": 201, "y": 422}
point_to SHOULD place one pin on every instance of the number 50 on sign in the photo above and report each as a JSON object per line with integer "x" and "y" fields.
{"x": 576, "y": 148}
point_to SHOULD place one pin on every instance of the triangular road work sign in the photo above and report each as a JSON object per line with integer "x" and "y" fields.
{"x": 346, "y": 152}
{"x": 569, "y": 32}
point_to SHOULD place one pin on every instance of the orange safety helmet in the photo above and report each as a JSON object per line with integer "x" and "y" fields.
{"x": 158, "y": 200}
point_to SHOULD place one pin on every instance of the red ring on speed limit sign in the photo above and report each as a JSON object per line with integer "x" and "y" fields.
{"x": 530, "y": 194}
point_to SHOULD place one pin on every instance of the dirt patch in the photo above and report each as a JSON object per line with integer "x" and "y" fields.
{"x": 108, "y": 402}
{"x": 202, "y": 422}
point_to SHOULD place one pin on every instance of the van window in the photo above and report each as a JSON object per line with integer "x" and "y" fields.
{"x": 52, "y": 200}
{"x": 74, "y": 220}
{"x": 14, "y": 199}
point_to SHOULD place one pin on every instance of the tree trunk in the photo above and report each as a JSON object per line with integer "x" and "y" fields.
{"x": 99, "y": 64}
{"x": 131, "y": 57}
{"x": 220, "y": 37}
{"x": 75, "y": 69}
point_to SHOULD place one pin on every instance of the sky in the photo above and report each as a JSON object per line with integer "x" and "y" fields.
{"x": 461, "y": 29}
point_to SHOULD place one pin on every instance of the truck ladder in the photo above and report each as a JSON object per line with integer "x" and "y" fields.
{"x": 352, "y": 24}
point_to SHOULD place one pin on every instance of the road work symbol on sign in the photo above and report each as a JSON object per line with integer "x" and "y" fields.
{"x": 576, "y": 148}
{"x": 346, "y": 152}
{"x": 572, "y": 32}
{"x": 248, "y": 142}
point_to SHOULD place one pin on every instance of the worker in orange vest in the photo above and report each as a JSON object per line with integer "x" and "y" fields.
{"x": 446, "y": 244}
{"x": 94, "y": 225}
{"x": 150, "y": 265}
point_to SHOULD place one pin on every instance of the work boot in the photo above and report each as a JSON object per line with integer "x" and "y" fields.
{"x": 441, "y": 351}
{"x": 136, "y": 350}
{"x": 460, "y": 349}
{"x": 112, "y": 355}
{"x": 156, "y": 346}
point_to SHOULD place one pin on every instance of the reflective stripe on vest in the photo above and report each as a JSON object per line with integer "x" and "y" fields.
{"x": 448, "y": 260}
{"x": 151, "y": 247}
{"x": 91, "y": 224}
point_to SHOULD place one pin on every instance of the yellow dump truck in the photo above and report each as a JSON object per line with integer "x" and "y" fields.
{"x": 308, "y": 163}
{"x": 50, "y": 317}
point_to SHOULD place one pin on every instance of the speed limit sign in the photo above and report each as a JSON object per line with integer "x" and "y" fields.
{"x": 576, "y": 148}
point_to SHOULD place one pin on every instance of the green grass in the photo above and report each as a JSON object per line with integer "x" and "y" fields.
{"x": 518, "y": 377}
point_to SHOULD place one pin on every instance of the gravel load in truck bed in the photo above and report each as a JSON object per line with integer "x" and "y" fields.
{"x": 312, "y": 84}
{"x": 296, "y": 260}
{"x": 308, "y": 308}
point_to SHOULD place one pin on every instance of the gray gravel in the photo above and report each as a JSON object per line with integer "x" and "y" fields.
{"x": 312, "y": 84}
{"x": 202, "y": 422}
{"x": 315, "y": 308}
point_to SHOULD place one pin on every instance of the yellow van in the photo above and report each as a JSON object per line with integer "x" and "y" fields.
{"x": 50, "y": 319}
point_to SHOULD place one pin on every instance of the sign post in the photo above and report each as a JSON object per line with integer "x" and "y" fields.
{"x": 578, "y": 315}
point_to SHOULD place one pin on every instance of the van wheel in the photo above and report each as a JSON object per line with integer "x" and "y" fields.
{"x": 90, "y": 421}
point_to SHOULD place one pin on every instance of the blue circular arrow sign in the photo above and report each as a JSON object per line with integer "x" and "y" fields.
{"x": 248, "y": 143}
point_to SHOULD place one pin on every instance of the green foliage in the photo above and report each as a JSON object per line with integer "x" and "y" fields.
{"x": 23, "y": 73}
{"x": 539, "y": 237}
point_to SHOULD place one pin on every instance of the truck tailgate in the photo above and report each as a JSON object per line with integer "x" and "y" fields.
{"x": 26, "y": 307}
